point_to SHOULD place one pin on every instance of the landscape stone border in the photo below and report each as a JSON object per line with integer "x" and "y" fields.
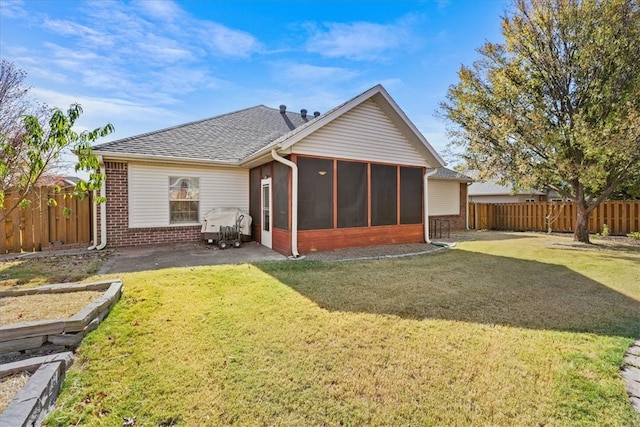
{"x": 61, "y": 332}
{"x": 33, "y": 401}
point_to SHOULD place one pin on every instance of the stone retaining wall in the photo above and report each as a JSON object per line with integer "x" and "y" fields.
{"x": 31, "y": 404}
{"x": 65, "y": 332}
{"x": 33, "y": 401}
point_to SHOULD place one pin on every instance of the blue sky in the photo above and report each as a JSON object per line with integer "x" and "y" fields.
{"x": 151, "y": 64}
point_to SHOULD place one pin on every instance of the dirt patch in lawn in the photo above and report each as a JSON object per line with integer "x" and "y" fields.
{"x": 9, "y": 386}
{"x": 40, "y": 268}
{"x": 44, "y": 306}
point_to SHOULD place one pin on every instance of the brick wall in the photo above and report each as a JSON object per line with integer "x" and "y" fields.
{"x": 118, "y": 231}
{"x": 457, "y": 222}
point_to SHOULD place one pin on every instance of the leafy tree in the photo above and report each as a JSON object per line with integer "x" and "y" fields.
{"x": 558, "y": 103}
{"x": 29, "y": 147}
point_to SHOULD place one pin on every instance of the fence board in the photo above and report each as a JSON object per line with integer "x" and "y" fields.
{"x": 15, "y": 225}
{"x": 26, "y": 225}
{"x": 622, "y": 217}
{"x": 33, "y": 228}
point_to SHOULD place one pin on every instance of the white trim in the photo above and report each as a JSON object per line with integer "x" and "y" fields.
{"x": 94, "y": 221}
{"x": 294, "y": 201}
{"x": 266, "y": 182}
{"x": 151, "y": 158}
{"x": 425, "y": 186}
{"x": 103, "y": 208}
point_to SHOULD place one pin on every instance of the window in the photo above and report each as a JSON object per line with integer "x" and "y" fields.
{"x": 352, "y": 194}
{"x": 184, "y": 199}
{"x": 530, "y": 200}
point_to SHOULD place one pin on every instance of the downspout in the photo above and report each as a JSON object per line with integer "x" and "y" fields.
{"x": 426, "y": 204}
{"x": 94, "y": 220}
{"x": 294, "y": 200}
{"x": 103, "y": 209}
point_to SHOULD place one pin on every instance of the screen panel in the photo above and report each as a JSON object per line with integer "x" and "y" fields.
{"x": 411, "y": 195}
{"x": 280, "y": 196}
{"x": 384, "y": 194}
{"x": 254, "y": 195}
{"x": 352, "y": 194}
{"x": 315, "y": 193}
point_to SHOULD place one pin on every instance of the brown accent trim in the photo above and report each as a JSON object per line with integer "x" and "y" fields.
{"x": 281, "y": 241}
{"x": 398, "y": 194}
{"x": 368, "y": 194}
{"x": 342, "y": 159}
{"x": 335, "y": 194}
{"x": 325, "y": 240}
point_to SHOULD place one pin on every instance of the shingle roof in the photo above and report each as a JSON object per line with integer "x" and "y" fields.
{"x": 491, "y": 187}
{"x": 225, "y": 138}
{"x": 446, "y": 173}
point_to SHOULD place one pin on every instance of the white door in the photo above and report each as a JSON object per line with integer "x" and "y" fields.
{"x": 267, "y": 220}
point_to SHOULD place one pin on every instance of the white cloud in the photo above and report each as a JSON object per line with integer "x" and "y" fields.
{"x": 13, "y": 9}
{"x": 166, "y": 53}
{"x": 166, "y": 10}
{"x": 359, "y": 40}
{"x": 313, "y": 73}
{"x": 100, "y": 111}
{"x": 226, "y": 41}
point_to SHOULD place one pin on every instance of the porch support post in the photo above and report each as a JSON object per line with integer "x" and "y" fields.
{"x": 294, "y": 200}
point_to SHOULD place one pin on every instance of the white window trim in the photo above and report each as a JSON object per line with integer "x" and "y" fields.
{"x": 186, "y": 223}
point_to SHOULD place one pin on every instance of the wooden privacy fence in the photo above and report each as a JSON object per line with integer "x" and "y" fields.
{"x": 622, "y": 217}
{"x": 42, "y": 224}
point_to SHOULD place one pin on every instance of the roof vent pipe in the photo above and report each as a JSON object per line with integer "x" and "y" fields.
{"x": 303, "y": 113}
{"x": 283, "y": 109}
{"x": 316, "y": 113}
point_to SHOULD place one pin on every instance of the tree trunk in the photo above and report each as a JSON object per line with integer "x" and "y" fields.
{"x": 581, "y": 230}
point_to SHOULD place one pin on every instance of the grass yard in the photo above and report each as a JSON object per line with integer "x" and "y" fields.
{"x": 508, "y": 330}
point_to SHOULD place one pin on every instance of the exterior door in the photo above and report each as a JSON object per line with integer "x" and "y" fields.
{"x": 267, "y": 219}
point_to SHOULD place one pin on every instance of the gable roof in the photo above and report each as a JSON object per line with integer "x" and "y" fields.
{"x": 242, "y": 137}
{"x": 382, "y": 98}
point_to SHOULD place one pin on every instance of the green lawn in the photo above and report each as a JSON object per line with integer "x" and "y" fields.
{"x": 508, "y": 330}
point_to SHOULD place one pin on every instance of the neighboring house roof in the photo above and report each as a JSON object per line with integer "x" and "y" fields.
{"x": 492, "y": 188}
{"x": 451, "y": 175}
{"x": 51, "y": 180}
{"x": 246, "y": 136}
